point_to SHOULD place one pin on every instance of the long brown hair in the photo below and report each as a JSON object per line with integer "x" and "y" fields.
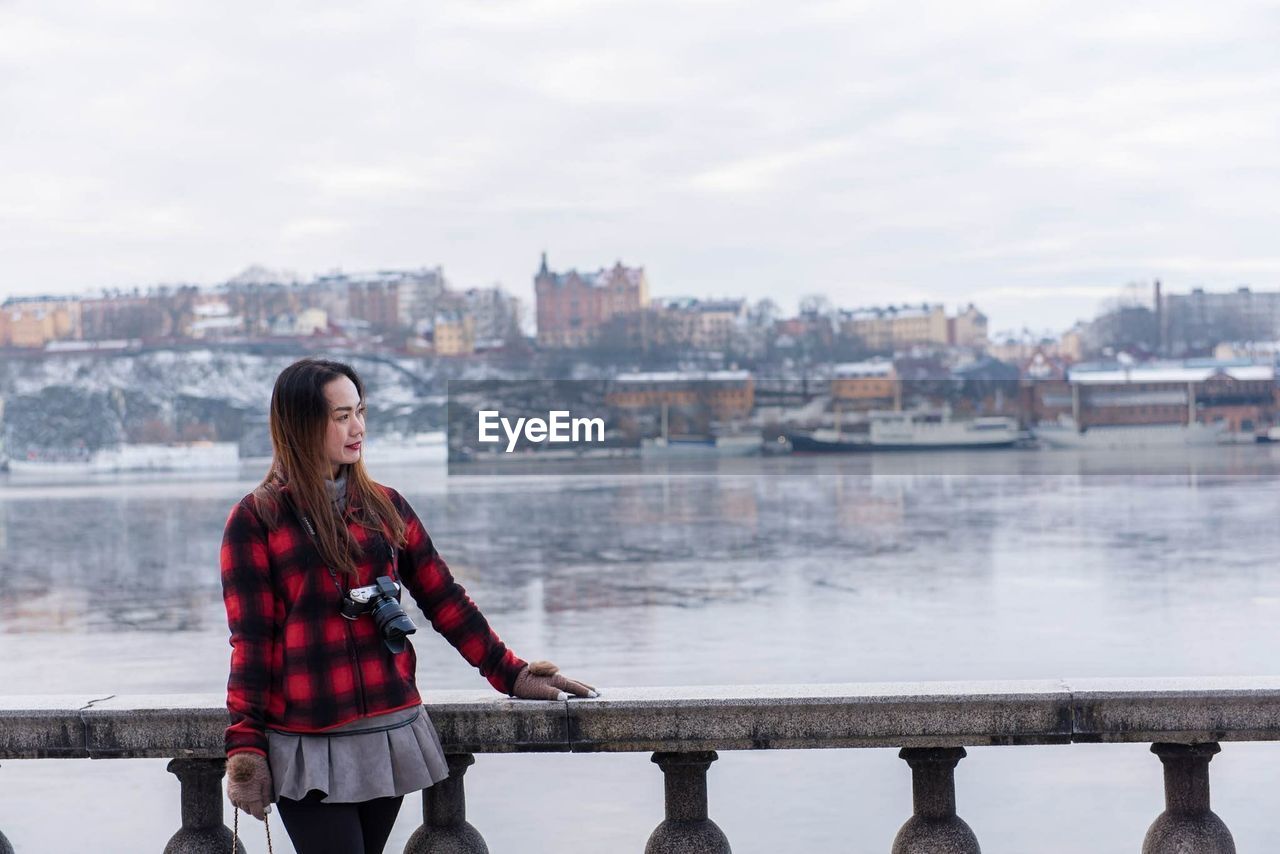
{"x": 299, "y": 418}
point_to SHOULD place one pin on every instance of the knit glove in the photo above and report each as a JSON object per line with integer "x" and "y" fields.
{"x": 542, "y": 680}
{"x": 249, "y": 783}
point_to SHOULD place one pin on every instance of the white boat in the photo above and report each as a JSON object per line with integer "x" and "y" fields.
{"x": 176, "y": 456}
{"x": 1065, "y": 434}
{"x": 724, "y": 445}
{"x": 910, "y": 430}
{"x": 913, "y": 430}
{"x": 743, "y": 445}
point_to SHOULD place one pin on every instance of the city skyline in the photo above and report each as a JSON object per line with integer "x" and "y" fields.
{"x": 1130, "y": 293}
{"x": 1029, "y": 160}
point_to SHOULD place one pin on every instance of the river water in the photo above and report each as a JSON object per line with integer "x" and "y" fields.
{"x": 888, "y": 567}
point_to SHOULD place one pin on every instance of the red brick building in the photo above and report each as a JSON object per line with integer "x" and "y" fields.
{"x": 1241, "y": 396}
{"x": 572, "y": 306}
{"x": 375, "y": 302}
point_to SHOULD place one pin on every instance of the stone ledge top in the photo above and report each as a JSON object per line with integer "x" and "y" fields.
{"x": 26, "y": 704}
{"x": 707, "y": 717}
{"x": 1174, "y": 686}
{"x": 1132, "y": 688}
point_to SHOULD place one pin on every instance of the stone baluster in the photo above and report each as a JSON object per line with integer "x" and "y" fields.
{"x": 444, "y": 827}
{"x": 1187, "y": 825}
{"x": 202, "y": 829}
{"x": 935, "y": 828}
{"x": 686, "y": 828}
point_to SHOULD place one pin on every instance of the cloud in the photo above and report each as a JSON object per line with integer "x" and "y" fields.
{"x": 308, "y": 227}
{"x": 348, "y": 180}
{"x": 1033, "y": 292}
{"x": 1024, "y": 154}
{"x": 765, "y": 171}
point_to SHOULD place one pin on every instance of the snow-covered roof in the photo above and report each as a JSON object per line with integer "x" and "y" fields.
{"x": 382, "y": 277}
{"x": 1170, "y": 374}
{"x": 731, "y": 305}
{"x": 683, "y": 376}
{"x": 863, "y": 369}
{"x": 211, "y": 309}
{"x": 878, "y": 313}
{"x": 39, "y": 298}
{"x": 217, "y": 323}
{"x": 69, "y": 346}
{"x": 603, "y": 277}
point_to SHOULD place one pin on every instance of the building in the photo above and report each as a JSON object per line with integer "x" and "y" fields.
{"x": 418, "y": 292}
{"x": 1071, "y": 343}
{"x": 120, "y": 315}
{"x": 674, "y": 322}
{"x": 311, "y": 321}
{"x": 718, "y": 322}
{"x": 308, "y": 322}
{"x": 1242, "y": 395}
{"x": 454, "y": 334}
{"x": 572, "y": 307}
{"x": 1044, "y": 364}
{"x": 968, "y": 328}
{"x": 495, "y": 312}
{"x": 698, "y": 324}
{"x": 262, "y": 304}
{"x": 896, "y": 327}
{"x": 1258, "y": 351}
{"x": 1195, "y": 322}
{"x": 726, "y": 395}
{"x": 985, "y": 385}
{"x": 330, "y": 293}
{"x": 893, "y": 327}
{"x": 377, "y": 302}
{"x": 1019, "y": 348}
{"x": 36, "y": 320}
{"x": 215, "y": 319}
{"x": 865, "y": 386}
{"x": 385, "y": 300}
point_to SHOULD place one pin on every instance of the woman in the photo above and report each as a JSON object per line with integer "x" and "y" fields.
{"x": 326, "y": 719}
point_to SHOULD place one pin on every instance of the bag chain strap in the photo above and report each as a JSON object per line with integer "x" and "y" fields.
{"x": 235, "y": 832}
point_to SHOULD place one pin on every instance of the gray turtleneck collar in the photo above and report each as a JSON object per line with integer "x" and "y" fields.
{"x": 338, "y": 491}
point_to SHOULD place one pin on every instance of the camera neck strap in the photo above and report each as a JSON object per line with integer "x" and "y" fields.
{"x": 315, "y": 540}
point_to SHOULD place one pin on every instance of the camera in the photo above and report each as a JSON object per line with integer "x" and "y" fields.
{"x": 382, "y": 600}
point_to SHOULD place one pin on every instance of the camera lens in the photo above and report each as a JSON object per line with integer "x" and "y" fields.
{"x": 392, "y": 622}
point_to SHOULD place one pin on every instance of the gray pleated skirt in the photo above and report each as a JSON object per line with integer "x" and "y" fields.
{"x": 375, "y": 757}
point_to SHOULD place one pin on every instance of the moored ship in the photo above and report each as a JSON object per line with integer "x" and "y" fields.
{"x": 730, "y": 445}
{"x": 1066, "y": 433}
{"x": 913, "y": 431}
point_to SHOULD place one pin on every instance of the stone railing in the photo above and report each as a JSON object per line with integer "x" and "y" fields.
{"x": 932, "y": 723}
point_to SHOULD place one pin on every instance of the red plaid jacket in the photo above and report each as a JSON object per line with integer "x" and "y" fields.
{"x": 296, "y": 663}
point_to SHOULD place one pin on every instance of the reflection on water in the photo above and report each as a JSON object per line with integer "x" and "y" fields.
{"x": 819, "y": 569}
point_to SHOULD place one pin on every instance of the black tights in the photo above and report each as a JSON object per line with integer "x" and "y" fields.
{"x": 318, "y": 828}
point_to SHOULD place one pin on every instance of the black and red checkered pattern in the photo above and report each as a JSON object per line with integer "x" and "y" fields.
{"x": 296, "y": 663}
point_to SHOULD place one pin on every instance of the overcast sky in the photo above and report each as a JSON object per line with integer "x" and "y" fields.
{"x": 1029, "y": 157}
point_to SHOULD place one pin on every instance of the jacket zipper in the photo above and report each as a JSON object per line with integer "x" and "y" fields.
{"x": 352, "y": 649}
{"x": 355, "y": 662}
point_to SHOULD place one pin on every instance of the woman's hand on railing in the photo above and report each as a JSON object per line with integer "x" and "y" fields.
{"x": 542, "y": 680}
{"x": 249, "y": 783}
